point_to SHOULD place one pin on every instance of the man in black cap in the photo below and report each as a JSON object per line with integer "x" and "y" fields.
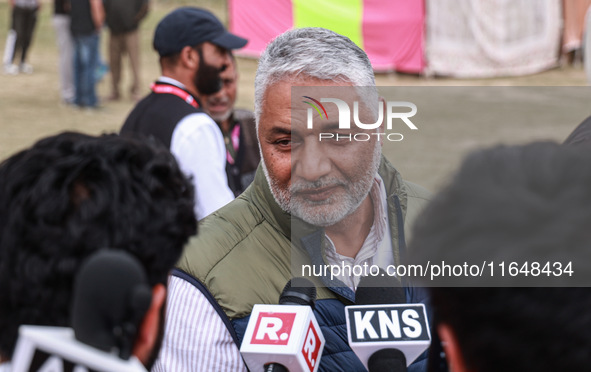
{"x": 193, "y": 46}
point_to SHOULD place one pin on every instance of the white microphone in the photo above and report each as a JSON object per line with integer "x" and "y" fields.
{"x": 385, "y": 333}
{"x": 286, "y": 335}
{"x": 55, "y": 349}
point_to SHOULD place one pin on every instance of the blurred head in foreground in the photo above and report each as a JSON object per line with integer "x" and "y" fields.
{"x": 71, "y": 195}
{"x": 581, "y": 135}
{"x": 531, "y": 203}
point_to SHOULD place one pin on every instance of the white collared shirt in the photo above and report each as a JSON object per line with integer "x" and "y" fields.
{"x": 195, "y": 337}
{"x": 377, "y": 247}
{"x": 198, "y": 145}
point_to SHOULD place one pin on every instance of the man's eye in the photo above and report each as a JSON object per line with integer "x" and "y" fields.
{"x": 283, "y": 142}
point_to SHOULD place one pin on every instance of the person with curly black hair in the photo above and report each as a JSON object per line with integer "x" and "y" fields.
{"x": 71, "y": 195}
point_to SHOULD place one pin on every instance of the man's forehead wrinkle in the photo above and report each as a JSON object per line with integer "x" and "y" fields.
{"x": 280, "y": 130}
{"x": 331, "y": 125}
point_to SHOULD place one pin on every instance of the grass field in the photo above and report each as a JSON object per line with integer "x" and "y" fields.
{"x": 452, "y": 119}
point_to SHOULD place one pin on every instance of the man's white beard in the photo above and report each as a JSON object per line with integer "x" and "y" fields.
{"x": 222, "y": 117}
{"x": 334, "y": 210}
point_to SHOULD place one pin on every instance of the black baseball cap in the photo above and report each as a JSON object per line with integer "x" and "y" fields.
{"x": 189, "y": 26}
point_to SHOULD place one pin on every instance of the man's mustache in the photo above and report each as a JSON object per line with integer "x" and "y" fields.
{"x": 303, "y": 186}
{"x": 218, "y": 101}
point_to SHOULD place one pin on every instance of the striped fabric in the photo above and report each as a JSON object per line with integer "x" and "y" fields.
{"x": 195, "y": 337}
{"x": 371, "y": 245}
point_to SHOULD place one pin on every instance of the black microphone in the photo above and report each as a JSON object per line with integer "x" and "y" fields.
{"x": 110, "y": 298}
{"x": 379, "y": 290}
{"x": 285, "y": 337}
{"x": 292, "y": 294}
{"x": 387, "y": 360}
{"x": 275, "y": 367}
{"x": 382, "y": 290}
{"x": 298, "y": 291}
{"x": 384, "y": 332}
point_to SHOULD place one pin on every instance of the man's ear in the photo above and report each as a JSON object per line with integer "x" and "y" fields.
{"x": 148, "y": 330}
{"x": 453, "y": 353}
{"x": 189, "y": 57}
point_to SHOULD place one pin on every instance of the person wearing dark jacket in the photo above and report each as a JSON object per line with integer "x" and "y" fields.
{"x": 123, "y": 19}
{"x": 328, "y": 204}
{"x": 193, "y": 47}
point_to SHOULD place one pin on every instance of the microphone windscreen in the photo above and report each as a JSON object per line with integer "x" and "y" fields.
{"x": 275, "y": 367}
{"x": 111, "y": 296}
{"x": 381, "y": 289}
{"x": 298, "y": 291}
{"x": 387, "y": 360}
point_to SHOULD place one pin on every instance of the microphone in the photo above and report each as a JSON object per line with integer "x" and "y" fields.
{"x": 285, "y": 337}
{"x": 111, "y": 295}
{"x": 385, "y": 333}
{"x": 298, "y": 291}
{"x": 387, "y": 360}
{"x": 53, "y": 349}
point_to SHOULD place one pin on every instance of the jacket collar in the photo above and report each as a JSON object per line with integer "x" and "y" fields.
{"x": 264, "y": 200}
{"x": 284, "y": 222}
{"x": 310, "y": 238}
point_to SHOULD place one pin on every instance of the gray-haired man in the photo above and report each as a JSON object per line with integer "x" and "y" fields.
{"x": 345, "y": 194}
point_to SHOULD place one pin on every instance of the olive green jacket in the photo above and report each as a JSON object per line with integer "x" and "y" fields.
{"x": 244, "y": 255}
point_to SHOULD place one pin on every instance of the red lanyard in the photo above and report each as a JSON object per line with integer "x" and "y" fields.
{"x": 235, "y": 142}
{"x": 171, "y": 89}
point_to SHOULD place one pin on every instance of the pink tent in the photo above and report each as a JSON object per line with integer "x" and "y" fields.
{"x": 391, "y": 32}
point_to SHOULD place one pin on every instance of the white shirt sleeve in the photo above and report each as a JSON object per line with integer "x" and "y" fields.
{"x": 195, "y": 338}
{"x": 198, "y": 146}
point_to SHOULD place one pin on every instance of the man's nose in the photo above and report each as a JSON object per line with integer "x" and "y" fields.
{"x": 311, "y": 162}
